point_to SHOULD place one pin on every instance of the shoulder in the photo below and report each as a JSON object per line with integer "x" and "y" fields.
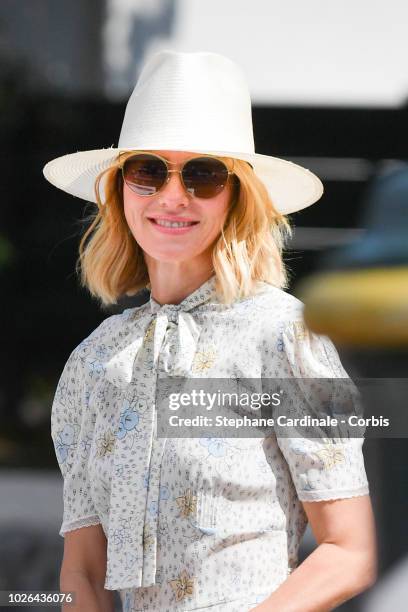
{"x": 273, "y": 305}
{"x": 110, "y": 328}
{"x": 102, "y": 341}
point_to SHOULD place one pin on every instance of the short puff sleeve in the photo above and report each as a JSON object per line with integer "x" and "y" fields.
{"x": 72, "y": 427}
{"x": 321, "y": 468}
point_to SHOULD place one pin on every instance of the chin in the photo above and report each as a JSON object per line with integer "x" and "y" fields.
{"x": 173, "y": 257}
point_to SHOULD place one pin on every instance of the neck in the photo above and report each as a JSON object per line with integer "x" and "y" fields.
{"x": 172, "y": 282}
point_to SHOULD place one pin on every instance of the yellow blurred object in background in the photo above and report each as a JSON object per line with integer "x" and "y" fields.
{"x": 361, "y": 307}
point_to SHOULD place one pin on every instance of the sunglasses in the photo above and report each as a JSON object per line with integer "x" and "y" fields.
{"x": 147, "y": 173}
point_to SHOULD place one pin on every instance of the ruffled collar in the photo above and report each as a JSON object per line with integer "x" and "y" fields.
{"x": 199, "y": 296}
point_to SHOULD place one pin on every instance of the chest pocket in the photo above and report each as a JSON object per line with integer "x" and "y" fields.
{"x": 196, "y": 514}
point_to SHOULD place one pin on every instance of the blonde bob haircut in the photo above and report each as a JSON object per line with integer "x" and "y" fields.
{"x": 249, "y": 248}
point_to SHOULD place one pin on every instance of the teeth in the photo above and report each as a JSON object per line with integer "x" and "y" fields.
{"x": 174, "y": 223}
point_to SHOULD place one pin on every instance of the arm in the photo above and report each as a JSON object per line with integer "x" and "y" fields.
{"x": 83, "y": 570}
{"x": 343, "y": 564}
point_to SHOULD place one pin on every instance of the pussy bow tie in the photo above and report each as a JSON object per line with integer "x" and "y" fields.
{"x": 133, "y": 527}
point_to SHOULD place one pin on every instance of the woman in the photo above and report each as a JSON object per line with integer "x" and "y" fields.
{"x": 187, "y": 208}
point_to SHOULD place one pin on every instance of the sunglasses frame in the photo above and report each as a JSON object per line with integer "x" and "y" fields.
{"x": 168, "y": 163}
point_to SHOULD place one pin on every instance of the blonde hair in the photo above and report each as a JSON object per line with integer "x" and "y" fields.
{"x": 249, "y": 249}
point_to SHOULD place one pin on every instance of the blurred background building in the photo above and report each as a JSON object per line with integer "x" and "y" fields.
{"x": 330, "y": 90}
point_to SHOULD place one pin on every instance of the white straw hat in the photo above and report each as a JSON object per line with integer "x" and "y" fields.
{"x": 196, "y": 102}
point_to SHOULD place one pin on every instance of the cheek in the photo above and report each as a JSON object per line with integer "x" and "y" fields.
{"x": 126, "y": 210}
{"x": 133, "y": 210}
{"x": 219, "y": 212}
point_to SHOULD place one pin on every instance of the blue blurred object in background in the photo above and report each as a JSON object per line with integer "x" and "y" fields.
{"x": 385, "y": 217}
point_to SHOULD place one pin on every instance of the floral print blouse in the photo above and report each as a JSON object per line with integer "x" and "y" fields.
{"x": 194, "y": 523}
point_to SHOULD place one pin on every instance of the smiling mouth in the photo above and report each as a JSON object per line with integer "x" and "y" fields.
{"x": 165, "y": 223}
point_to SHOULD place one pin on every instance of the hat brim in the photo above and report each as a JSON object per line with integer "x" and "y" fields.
{"x": 290, "y": 186}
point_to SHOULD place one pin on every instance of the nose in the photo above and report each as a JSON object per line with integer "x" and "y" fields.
{"x": 173, "y": 194}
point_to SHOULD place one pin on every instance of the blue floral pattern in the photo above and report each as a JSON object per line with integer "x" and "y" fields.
{"x": 194, "y": 523}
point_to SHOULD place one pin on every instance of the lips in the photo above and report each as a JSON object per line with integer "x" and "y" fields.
{"x": 167, "y": 222}
{"x": 173, "y": 219}
{"x": 165, "y": 225}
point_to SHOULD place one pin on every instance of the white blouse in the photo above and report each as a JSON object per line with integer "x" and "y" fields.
{"x": 194, "y": 523}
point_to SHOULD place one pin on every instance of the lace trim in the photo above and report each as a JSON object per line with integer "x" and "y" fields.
{"x": 86, "y": 521}
{"x": 328, "y": 495}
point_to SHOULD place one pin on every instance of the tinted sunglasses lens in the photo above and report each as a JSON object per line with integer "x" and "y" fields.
{"x": 144, "y": 174}
{"x": 205, "y": 177}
